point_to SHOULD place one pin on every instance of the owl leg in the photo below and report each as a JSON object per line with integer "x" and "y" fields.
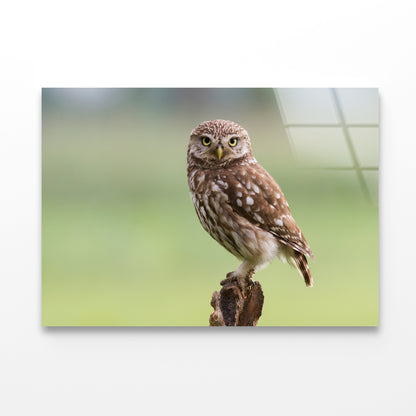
{"x": 242, "y": 275}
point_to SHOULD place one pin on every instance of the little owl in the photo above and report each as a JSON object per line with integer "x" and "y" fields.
{"x": 239, "y": 204}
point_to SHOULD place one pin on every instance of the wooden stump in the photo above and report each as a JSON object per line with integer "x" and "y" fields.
{"x": 237, "y": 306}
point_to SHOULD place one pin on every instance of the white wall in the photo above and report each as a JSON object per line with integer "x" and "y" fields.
{"x": 265, "y": 371}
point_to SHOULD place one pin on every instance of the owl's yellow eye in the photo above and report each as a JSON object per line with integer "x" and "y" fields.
{"x": 206, "y": 141}
{"x": 233, "y": 141}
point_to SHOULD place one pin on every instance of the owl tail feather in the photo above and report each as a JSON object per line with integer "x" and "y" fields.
{"x": 301, "y": 264}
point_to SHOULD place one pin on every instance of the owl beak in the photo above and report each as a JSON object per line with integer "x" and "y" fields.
{"x": 219, "y": 151}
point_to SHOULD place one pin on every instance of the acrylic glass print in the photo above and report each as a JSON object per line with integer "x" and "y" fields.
{"x": 124, "y": 245}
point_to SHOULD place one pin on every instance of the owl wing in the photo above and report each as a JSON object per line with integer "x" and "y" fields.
{"x": 255, "y": 195}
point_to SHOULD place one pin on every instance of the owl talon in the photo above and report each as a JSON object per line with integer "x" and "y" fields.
{"x": 242, "y": 283}
{"x": 230, "y": 278}
{"x": 246, "y": 283}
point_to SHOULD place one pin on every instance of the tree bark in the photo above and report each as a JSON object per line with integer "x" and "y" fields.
{"x": 237, "y": 306}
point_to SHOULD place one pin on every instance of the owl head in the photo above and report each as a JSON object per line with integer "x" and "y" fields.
{"x": 218, "y": 142}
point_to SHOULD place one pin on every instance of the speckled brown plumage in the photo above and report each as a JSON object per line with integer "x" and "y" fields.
{"x": 239, "y": 204}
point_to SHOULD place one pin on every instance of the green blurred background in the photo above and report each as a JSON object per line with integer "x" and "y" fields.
{"x": 122, "y": 245}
